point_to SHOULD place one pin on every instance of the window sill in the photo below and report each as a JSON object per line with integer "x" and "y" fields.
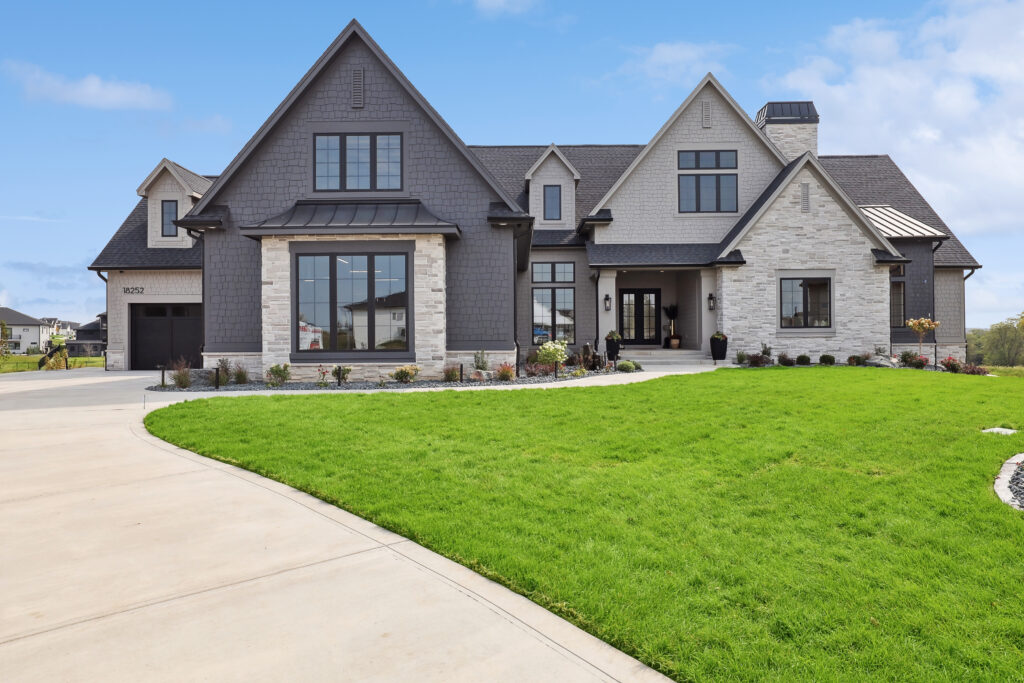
{"x": 351, "y": 356}
{"x": 806, "y": 332}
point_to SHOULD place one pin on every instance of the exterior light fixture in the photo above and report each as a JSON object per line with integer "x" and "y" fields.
{"x": 607, "y": 302}
{"x": 711, "y": 301}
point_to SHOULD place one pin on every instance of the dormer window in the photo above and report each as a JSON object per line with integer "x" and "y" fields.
{"x": 168, "y": 214}
{"x": 552, "y": 202}
{"x": 703, "y": 191}
{"x": 371, "y": 162}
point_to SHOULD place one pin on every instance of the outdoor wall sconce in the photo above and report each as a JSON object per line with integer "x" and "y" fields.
{"x": 607, "y": 302}
{"x": 711, "y": 301}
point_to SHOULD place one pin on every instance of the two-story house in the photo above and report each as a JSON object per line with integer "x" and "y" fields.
{"x": 356, "y": 227}
{"x": 24, "y": 332}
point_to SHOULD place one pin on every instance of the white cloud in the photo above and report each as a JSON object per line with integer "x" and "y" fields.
{"x": 944, "y": 98}
{"x": 666, "y": 64}
{"x": 493, "y": 7}
{"x": 90, "y": 91}
{"x": 216, "y": 124}
{"x": 994, "y": 296}
{"x": 5, "y": 298}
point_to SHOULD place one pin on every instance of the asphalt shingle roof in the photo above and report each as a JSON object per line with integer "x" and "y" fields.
{"x": 876, "y": 179}
{"x": 557, "y": 238}
{"x": 195, "y": 182}
{"x": 653, "y": 254}
{"x": 13, "y": 317}
{"x": 128, "y": 250}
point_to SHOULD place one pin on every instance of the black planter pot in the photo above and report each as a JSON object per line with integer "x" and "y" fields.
{"x": 719, "y": 348}
{"x": 613, "y": 348}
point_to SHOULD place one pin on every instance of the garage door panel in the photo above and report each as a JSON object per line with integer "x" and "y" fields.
{"x": 163, "y": 333}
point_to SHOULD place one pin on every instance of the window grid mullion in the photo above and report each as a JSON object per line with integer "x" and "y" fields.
{"x": 332, "y": 274}
{"x": 371, "y": 303}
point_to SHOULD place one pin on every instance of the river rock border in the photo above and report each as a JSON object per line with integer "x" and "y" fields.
{"x": 1010, "y": 482}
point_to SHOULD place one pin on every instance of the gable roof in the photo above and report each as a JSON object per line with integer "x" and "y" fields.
{"x": 708, "y": 79}
{"x": 552, "y": 149}
{"x": 195, "y": 184}
{"x": 13, "y": 317}
{"x": 775, "y": 188}
{"x": 354, "y": 28}
{"x": 128, "y": 249}
{"x": 876, "y": 179}
{"x": 599, "y": 166}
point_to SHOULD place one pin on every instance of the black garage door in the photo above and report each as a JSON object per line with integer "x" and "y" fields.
{"x": 164, "y": 333}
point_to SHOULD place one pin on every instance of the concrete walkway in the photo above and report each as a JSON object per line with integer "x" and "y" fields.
{"x": 125, "y": 558}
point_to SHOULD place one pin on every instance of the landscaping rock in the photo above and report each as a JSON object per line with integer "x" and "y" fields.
{"x": 999, "y": 430}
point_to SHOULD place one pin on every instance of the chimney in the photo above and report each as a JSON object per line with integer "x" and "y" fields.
{"x": 792, "y": 126}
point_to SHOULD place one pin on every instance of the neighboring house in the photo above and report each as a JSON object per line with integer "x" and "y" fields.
{"x": 90, "y": 338}
{"x": 61, "y": 330}
{"x": 355, "y": 227}
{"x": 24, "y": 331}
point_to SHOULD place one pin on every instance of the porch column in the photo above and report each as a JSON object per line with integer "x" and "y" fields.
{"x": 708, "y": 319}
{"x": 606, "y": 320}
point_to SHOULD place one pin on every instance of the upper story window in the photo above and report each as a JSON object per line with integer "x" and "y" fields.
{"x": 552, "y": 202}
{"x": 554, "y": 272}
{"x": 168, "y": 214}
{"x": 702, "y": 192}
{"x": 370, "y": 162}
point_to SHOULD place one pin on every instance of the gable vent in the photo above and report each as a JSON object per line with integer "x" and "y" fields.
{"x": 357, "y": 88}
{"x": 805, "y": 197}
{"x": 705, "y": 113}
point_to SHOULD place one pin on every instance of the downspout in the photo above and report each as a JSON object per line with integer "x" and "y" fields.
{"x": 597, "y": 310}
{"x": 967, "y": 277}
{"x": 106, "y": 303}
{"x": 515, "y": 296}
{"x": 99, "y": 274}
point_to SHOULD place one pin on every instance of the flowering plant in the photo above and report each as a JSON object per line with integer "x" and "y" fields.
{"x": 951, "y": 364}
{"x": 552, "y": 352}
{"x": 322, "y": 374}
{"x": 921, "y": 327}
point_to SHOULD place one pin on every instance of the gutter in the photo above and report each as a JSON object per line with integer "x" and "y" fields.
{"x": 968, "y": 276}
{"x": 100, "y": 275}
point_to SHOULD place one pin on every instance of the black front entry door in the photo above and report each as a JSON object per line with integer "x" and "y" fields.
{"x": 640, "y": 316}
{"x": 165, "y": 333}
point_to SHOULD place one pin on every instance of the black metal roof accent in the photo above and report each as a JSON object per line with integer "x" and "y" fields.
{"x": 213, "y": 217}
{"x": 659, "y": 255}
{"x": 882, "y": 256}
{"x": 348, "y": 217}
{"x": 787, "y": 112}
{"x": 128, "y": 249}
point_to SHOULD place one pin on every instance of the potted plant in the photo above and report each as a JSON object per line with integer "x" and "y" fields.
{"x": 719, "y": 346}
{"x": 613, "y": 340}
{"x": 672, "y": 312}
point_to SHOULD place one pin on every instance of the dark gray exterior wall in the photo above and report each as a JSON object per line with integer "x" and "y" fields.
{"x": 920, "y": 287}
{"x": 480, "y": 266}
{"x": 585, "y": 297}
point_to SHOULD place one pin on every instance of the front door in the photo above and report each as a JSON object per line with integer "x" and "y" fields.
{"x": 640, "y": 316}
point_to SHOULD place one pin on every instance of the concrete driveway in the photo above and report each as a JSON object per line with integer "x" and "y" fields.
{"x": 125, "y": 558}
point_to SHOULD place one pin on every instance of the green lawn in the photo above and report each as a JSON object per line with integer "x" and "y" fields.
{"x": 825, "y": 523}
{"x": 1015, "y": 371}
{"x": 22, "y": 363}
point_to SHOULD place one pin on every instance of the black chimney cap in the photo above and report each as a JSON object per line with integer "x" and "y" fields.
{"x": 787, "y": 112}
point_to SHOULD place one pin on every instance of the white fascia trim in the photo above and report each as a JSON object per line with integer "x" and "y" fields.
{"x": 169, "y": 166}
{"x": 552, "y": 149}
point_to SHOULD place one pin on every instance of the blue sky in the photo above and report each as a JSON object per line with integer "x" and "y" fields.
{"x": 93, "y": 95}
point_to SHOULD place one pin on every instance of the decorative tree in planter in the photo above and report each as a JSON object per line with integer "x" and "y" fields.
{"x": 719, "y": 346}
{"x": 921, "y": 327}
{"x": 672, "y": 312}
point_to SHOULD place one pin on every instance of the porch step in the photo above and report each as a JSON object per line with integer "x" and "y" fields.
{"x": 666, "y": 358}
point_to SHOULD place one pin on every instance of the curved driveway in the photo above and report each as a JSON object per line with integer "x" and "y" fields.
{"x": 125, "y": 558}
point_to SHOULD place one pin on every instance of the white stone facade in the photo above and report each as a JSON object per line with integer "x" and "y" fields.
{"x": 127, "y": 287}
{"x": 166, "y": 187}
{"x": 789, "y": 242}
{"x": 939, "y": 351}
{"x": 793, "y": 139}
{"x": 494, "y": 359}
{"x": 429, "y": 313}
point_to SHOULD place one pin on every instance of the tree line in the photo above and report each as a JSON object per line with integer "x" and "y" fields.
{"x": 1001, "y": 344}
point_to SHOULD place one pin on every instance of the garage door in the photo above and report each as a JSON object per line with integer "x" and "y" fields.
{"x": 163, "y": 333}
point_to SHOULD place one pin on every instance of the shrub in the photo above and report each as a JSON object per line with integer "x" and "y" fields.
{"x": 278, "y": 375}
{"x": 506, "y": 372}
{"x": 971, "y": 369}
{"x": 637, "y": 366}
{"x": 741, "y": 358}
{"x": 758, "y": 360}
{"x": 579, "y": 372}
{"x": 181, "y": 374}
{"x": 451, "y": 373}
{"x": 224, "y": 365}
{"x": 240, "y": 374}
{"x": 919, "y": 363}
{"x": 909, "y": 359}
{"x": 803, "y": 359}
{"x": 33, "y": 351}
{"x": 855, "y": 360}
{"x": 951, "y": 364}
{"x": 784, "y": 359}
{"x": 405, "y": 373}
{"x": 58, "y": 361}
{"x": 533, "y": 369}
{"x": 480, "y": 360}
{"x": 826, "y": 359}
{"x": 341, "y": 372}
{"x": 766, "y": 350}
{"x": 551, "y": 352}
{"x": 625, "y": 366}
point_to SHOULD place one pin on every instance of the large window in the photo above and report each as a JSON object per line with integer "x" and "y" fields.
{"x": 554, "y": 314}
{"x": 897, "y": 296}
{"x": 707, "y": 192}
{"x": 369, "y": 161}
{"x": 168, "y": 214}
{"x": 352, "y": 302}
{"x": 552, "y": 202}
{"x": 806, "y": 302}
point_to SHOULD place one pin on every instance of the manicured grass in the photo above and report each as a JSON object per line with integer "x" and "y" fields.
{"x": 22, "y": 363}
{"x": 824, "y": 523}
{"x": 1015, "y": 371}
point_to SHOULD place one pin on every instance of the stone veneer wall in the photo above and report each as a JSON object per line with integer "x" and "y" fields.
{"x": 825, "y": 238}
{"x": 793, "y": 139}
{"x": 940, "y": 351}
{"x": 158, "y": 287}
{"x": 428, "y": 314}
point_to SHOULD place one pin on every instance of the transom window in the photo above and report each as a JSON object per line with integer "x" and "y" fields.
{"x": 806, "y": 302}
{"x": 370, "y": 162}
{"x": 554, "y": 272}
{"x": 554, "y": 315}
{"x": 552, "y": 202}
{"x": 168, "y": 214}
{"x": 352, "y": 302}
{"x": 707, "y": 159}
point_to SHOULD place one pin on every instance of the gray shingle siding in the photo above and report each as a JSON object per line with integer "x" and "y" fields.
{"x": 585, "y": 296}
{"x": 920, "y": 287}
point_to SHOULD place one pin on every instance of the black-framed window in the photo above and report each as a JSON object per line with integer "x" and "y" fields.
{"x": 805, "y": 302}
{"x": 352, "y": 302}
{"x": 897, "y": 296}
{"x": 707, "y": 193}
{"x": 168, "y": 214}
{"x": 554, "y": 314}
{"x": 707, "y": 159}
{"x": 554, "y": 272}
{"x": 359, "y": 161}
{"x": 552, "y": 202}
